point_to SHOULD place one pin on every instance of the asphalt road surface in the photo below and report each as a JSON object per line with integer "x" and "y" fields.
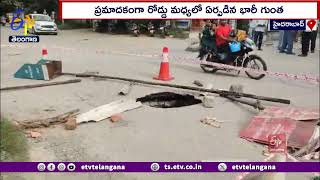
{"x": 147, "y": 133}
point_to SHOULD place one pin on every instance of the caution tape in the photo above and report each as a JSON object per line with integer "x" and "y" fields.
{"x": 187, "y": 60}
{"x": 303, "y": 77}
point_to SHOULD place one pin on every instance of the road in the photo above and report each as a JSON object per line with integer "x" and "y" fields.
{"x": 145, "y": 134}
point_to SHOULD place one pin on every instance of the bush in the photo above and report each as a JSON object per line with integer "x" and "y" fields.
{"x": 13, "y": 146}
{"x": 316, "y": 178}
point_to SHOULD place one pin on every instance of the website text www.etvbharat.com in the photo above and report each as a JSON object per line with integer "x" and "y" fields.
{"x": 101, "y": 167}
{"x": 183, "y": 167}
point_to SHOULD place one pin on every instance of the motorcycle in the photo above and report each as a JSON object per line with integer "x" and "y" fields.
{"x": 110, "y": 27}
{"x": 151, "y": 29}
{"x": 163, "y": 30}
{"x": 135, "y": 29}
{"x": 240, "y": 55}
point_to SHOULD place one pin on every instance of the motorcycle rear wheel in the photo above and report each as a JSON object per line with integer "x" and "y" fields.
{"x": 208, "y": 68}
{"x": 253, "y": 62}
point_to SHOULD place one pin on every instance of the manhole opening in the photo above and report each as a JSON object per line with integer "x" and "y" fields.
{"x": 169, "y": 100}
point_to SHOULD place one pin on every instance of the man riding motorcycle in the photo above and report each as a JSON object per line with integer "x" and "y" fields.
{"x": 224, "y": 35}
{"x": 231, "y": 49}
{"x": 216, "y": 39}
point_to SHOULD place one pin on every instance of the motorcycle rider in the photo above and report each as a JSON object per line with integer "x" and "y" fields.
{"x": 208, "y": 40}
{"x": 223, "y": 38}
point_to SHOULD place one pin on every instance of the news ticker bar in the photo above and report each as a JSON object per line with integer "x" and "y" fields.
{"x": 187, "y": 10}
{"x": 165, "y": 167}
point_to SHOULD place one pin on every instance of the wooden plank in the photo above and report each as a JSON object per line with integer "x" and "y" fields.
{"x": 41, "y": 85}
{"x": 38, "y": 123}
{"x": 107, "y": 110}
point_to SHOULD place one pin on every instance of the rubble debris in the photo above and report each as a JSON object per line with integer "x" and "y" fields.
{"x": 265, "y": 153}
{"x": 126, "y": 89}
{"x": 30, "y": 124}
{"x": 237, "y": 88}
{"x": 217, "y": 91}
{"x": 212, "y": 121}
{"x": 208, "y": 86}
{"x": 313, "y": 155}
{"x": 198, "y": 83}
{"x": 105, "y": 111}
{"x": 208, "y": 101}
{"x": 49, "y": 110}
{"x": 115, "y": 117}
{"x": 71, "y": 124}
{"x": 282, "y": 121}
{"x": 35, "y": 134}
{"x": 41, "y": 85}
{"x": 169, "y": 100}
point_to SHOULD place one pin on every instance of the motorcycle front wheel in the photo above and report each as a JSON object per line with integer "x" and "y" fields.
{"x": 256, "y": 63}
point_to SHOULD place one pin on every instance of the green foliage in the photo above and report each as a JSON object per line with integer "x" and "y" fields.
{"x": 29, "y": 6}
{"x": 13, "y": 146}
{"x": 315, "y": 178}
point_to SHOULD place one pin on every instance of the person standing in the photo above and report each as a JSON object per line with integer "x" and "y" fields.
{"x": 287, "y": 42}
{"x": 280, "y": 39}
{"x": 306, "y": 37}
{"x": 313, "y": 40}
{"x": 252, "y": 25}
{"x": 305, "y": 43}
{"x": 260, "y": 28}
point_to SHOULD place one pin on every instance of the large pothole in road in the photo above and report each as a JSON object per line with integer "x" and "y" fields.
{"x": 169, "y": 100}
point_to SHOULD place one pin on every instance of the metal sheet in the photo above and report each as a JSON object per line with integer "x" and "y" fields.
{"x": 283, "y": 120}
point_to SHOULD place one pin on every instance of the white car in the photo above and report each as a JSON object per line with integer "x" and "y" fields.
{"x": 43, "y": 25}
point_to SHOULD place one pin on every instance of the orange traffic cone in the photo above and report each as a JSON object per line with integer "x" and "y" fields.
{"x": 164, "y": 73}
{"x": 44, "y": 53}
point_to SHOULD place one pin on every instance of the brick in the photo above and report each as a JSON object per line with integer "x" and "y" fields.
{"x": 71, "y": 124}
{"x": 116, "y": 118}
{"x": 35, "y": 134}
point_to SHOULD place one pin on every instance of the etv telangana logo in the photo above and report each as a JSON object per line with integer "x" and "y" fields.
{"x": 277, "y": 143}
{"x": 26, "y": 23}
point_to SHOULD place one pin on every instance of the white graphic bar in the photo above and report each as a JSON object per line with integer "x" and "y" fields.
{"x": 189, "y": 10}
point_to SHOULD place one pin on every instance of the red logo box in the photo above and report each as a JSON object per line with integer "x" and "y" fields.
{"x": 277, "y": 143}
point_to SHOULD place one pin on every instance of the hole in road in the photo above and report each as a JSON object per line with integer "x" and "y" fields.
{"x": 169, "y": 100}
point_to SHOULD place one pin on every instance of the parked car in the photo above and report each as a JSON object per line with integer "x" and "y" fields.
{"x": 43, "y": 25}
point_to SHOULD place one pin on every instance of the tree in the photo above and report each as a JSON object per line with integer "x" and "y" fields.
{"x": 7, "y": 6}
{"x": 29, "y": 6}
